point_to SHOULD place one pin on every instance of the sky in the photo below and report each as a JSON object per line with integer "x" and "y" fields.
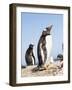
{"x": 32, "y": 25}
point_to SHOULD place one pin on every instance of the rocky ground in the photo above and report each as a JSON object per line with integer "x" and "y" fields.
{"x": 50, "y": 69}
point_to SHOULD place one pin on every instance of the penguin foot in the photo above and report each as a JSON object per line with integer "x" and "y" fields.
{"x": 39, "y": 68}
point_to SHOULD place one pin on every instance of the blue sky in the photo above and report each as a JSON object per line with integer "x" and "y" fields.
{"x": 32, "y": 25}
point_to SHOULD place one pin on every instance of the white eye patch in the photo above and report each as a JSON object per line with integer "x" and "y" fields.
{"x": 44, "y": 29}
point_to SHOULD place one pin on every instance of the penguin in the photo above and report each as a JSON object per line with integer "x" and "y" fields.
{"x": 42, "y": 47}
{"x": 29, "y": 55}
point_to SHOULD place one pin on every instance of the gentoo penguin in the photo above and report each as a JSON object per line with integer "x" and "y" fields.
{"x": 44, "y": 46}
{"x": 29, "y": 55}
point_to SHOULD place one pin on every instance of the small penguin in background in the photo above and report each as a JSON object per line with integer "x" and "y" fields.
{"x": 29, "y": 55}
{"x": 44, "y": 46}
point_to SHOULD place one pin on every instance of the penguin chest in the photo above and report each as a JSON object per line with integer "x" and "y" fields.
{"x": 48, "y": 45}
{"x": 32, "y": 60}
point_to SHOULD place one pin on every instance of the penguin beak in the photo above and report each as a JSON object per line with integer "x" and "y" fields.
{"x": 49, "y": 28}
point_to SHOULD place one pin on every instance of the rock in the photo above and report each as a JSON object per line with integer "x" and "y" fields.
{"x": 50, "y": 69}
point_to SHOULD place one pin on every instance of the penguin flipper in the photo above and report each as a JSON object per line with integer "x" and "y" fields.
{"x": 34, "y": 58}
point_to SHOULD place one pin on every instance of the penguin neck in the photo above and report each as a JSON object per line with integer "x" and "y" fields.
{"x": 49, "y": 35}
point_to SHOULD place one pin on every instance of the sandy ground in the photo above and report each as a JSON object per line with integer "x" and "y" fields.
{"x": 51, "y": 69}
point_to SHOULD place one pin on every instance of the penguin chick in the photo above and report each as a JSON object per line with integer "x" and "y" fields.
{"x": 29, "y": 55}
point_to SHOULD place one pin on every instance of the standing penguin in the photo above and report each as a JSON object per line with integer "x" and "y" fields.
{"x": 44, "y": 46}
{"x": 29, "y": 56}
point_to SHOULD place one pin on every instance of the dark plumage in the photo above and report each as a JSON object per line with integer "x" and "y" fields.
{"x": 41, "y": 48}
{"x": 29, "y": 56}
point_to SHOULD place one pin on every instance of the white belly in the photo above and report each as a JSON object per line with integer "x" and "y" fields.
{"x": 48, "y": 46}
{"x": 32, "y": 60}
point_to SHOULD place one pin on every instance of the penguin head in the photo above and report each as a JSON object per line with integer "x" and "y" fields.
{"x": 47, "y": 30}
{"x": 31, "y": 46}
